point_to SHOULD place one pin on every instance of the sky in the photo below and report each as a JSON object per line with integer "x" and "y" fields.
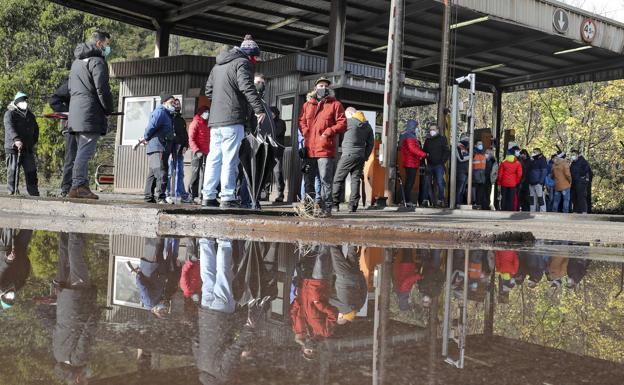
{"x": 613, "y": 9}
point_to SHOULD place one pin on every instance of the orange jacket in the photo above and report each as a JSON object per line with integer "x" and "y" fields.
{"x": 311, "y": 310}
{"x": 478, "y": 162}
{"x": 317, "y": 118}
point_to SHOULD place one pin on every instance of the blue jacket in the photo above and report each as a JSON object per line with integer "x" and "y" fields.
{"x": 159, "y": 131}
{"x": 537, "y": 170}
{"x": 550, "y": 182}
{"x": 580, "y": 170}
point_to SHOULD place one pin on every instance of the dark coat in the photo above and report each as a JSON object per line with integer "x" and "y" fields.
{"x": 231, "y": 88}
{"x": 438, "y": 149}
{"x": 76, "y": 323}
{"x": 159, "y": 131}
{"x": 91, "y": 98}
{"x": 580, "y": 170}
{"x": 218, "y": 347}
{"x": 359, "y": 138}
{"x": 350, "y": 285}
{"x": 280, "y": 136}
{"x": 267, "y": 127}
{"x": 537, "y": 170}
{"x": 59, "y": 101}
{"x": 181, "y": 135}
{"x": 15, "y": 273}
{"x": 20, "y": 125}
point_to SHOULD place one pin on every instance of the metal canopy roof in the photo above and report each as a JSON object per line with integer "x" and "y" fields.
{"x": 517, "y": 40}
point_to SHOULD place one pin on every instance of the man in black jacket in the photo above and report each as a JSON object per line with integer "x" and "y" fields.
{"x": 91, "y": 101}
{"x": 60, "y": 103}
{"x": 280, "y": 138}
{"x": 357, "y": 146}
{"x": 14, "y": 264}
{"x": 21, "y": 134}
{"x": 581, "y": 175}
{"x": 231, "y": 88}
{"x": 437, "y": 149}
{"x": 176, "y": 162}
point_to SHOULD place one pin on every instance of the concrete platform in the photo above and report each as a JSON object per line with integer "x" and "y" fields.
{"x": 115, "y": 214}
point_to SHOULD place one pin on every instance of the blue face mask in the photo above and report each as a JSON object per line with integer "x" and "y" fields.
{"x": 479, "y": 147}
{"x": 170, "y": 108}
{"x": 106, "y": 51}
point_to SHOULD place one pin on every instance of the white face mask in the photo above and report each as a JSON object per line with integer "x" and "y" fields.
{"x": 205, "y": 115}
{"x": 22, "y": 105}
{"x": 573, "y": 158}
{"x": 433, "y": 132}
{"x": 10, "y": 296}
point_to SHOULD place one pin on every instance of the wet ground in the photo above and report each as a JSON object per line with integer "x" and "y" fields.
{"x": 123, "y": 309}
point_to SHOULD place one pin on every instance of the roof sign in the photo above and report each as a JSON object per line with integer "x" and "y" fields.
{"x": 561, "y": 21}
{"x": 588, "y": 30}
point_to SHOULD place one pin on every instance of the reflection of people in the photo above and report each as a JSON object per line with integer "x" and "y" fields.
{"x": 432, "y": 276}
{"x": 557, "y": 269}
{"x": 507, "y": 264}
{"x": 14, "y": 264}
{"x": 577, "y": 269}
{"x": 223, "y": 336}
{"x": 190, "y": 279}
{"x": 351, "y": 289}
{"x": 76, "y": 311}
{"x": 406, "y": 275}
{"x": 312, "y": 316}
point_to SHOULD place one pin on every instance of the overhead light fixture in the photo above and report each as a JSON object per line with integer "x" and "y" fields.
{"x": 492, "y": 67}
{"x": 282, "y": 23}
{"x": 470, "y": 22}
{"x": 583, "y": 48}
{"x": 382, "y": 48}
{"x": 410, "y": 57}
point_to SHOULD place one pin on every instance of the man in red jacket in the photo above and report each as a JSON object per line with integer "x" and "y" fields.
{"x": 411, "y": 155}
{"x": 509, "y": 176}
{"x": 199, "y": 142}
{"x": 321, "y": 120}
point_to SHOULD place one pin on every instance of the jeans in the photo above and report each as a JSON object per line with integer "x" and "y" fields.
{"x": 325, "y": 169}
{"x": 86, "y": 144}
{"x": 551, "y": 196}
{"x": 349, "y": 164}
{"x": 508, "y": 195}
{"x": 537, "y": 197}
{"x": 410, "y": 180}
{"x": 436, "y": 172}
{"x": 317, "y": 188}
{"x": 566, "y": 200}
{"x": 460, "y": 188}
{"x": 156, "y": 183}
{"x": 176, "y": 161}
{"x": 72, "y": 267}
{"x": 215, "y": 261}
{"x": 222, "y": 162}
{"x": 71, "y": 147}
{"x": 28, "y": 163}
{"x": 197, "y": 173}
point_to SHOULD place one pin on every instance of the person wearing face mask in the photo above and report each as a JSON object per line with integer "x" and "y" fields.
{"x": 321, "y": 120}
{"x": 509, "y": 176}
{"x": 176, "y": 161}
{"x": 199, "y": 142}
{"x": 491, "y": 175}
{"x": 536, "y": 178}
{"x": 14, "y": 264}
{"x": 91, "y": 101}
{"x": 411, "y": 155}
{"x": 59, "y": 102}
{"x": 581, "y": 176}
{"x": 463, "y": 156}
{"x": 159, "y": 135}
{"x": 231, "y": 88}
{"x": 21, "y": 134}
{"x": 438, "y": 152}
{"x": 479, "y": 176}
{"x": 524, "y": 201}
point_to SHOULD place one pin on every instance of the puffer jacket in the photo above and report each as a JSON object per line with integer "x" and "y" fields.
{"x": 509, "y": 172}
{"x": 159, "y": 131}
{"x": 322, "y": 117}
{"x": 507, "y": 262}
{"x": 561, "y": 175}
{"x": 537, "y": 170}
{"x": 20, "y": 125}
{"x": 91, "y": 97}
{"x": 411, "y": 151}
{"x": 359, "y": 138}
{"x": 199, "y": 133}
{"x": 311, "y": 311}
{"x": 231, "y": 88}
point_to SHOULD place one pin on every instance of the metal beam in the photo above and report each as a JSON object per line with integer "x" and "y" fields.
{"x": 337, "y": 22}
{"x": 196, "y": 8}
{"x": 162, "y": 40}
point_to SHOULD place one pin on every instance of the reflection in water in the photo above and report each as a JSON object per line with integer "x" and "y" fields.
{"x": 220, "y": 311}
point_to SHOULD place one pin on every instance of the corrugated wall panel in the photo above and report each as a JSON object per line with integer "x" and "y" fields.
{"x": 163, "y": 66}
{"x": 127, "y": 246}
{"x": 130, "y": 169}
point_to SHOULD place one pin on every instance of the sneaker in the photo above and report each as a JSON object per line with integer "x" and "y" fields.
{"x": 210, "y": 203}
{"x": 149, "y": 200}
{"x": 82, "y": 192}
{"x": 324, "y": 214}
{"x": 162, "y": 202}
{"x": 169, "y": 200}
{"x": 187, "y": 200}
{"x": 426, "y": 203}
{"x": 230, "y": 205}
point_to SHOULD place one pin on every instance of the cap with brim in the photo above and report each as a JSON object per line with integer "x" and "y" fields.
{"x": 20, "y": 97}
{"x": 165, "y": 96}
{"x": 323, "y": 79}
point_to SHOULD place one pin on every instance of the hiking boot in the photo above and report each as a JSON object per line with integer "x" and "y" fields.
{"x": 210, "y": 203}
{"x": 425, "y": 203}
{"x": 337, "y": 206}
{"x": 187, "y": 200}
{"x": 149, "y": 200}
{"x": 169, "y": 200}
{"x": 230, "y": 205}
{"x": 440, "y": 204}
{"x": 352, "y": 209}
{"x": 82, "y": 192}
{"x": 324, "y": 214}
{"x": 279, "y": 199}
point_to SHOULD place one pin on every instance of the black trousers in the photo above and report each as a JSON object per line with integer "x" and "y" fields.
{"x": 28, "y": 162}
{"x": 198, "y": 163}
{"x": 71, "y": 147}
{"x": 156, "y": 183}
{"x": 486, "y": 202}
{"x": 507, "y": 198}
{"x": 579, "y": 196}
{"x": 482, "y": 197}
{"x": 410, "y": 180}
{"x": 349, "y": 164}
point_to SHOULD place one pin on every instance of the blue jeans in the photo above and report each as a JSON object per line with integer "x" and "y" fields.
{"x": 216, "y": 272}
{"x": 176, "y": 160}
{"x": 317, "y": 189}
{"x": 436, "y": 172}
{"x": 566, "y": 201}
{"x": 222, "y": 162}
{"x": 549, "y": 201}
{"x": 460, "y": 189}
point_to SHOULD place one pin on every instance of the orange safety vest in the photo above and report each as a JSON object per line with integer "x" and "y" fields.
{"x": 478, "y": 162}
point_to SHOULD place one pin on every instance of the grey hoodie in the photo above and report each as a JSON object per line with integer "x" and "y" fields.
{"x": 359, "y": 138}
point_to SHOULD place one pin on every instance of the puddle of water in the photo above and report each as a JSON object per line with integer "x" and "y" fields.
{"x": 81, "y": 308}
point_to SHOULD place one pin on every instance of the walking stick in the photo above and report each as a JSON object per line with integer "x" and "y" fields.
{"x": 17, "y": 172}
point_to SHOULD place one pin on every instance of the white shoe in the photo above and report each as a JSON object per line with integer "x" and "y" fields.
{"x": 169, "y": 200}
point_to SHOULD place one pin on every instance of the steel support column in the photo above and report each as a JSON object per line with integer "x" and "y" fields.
{"x": 391, "y": 97}
{"x": 444, "y": 52}
{"x": 162, "y": 40}
{"x": 337, "y": 24}
{"x": 383, "y": 283}
{"x": 497, "y": 104}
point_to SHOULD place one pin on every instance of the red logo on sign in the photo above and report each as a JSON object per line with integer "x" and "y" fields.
{"x": 588, "y": 30}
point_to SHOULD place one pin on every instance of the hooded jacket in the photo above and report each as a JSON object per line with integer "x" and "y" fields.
{"x": 359, "y": 138}
{"x": 91, "y": 98}
{"x": 438, "y": 150}
{"x": 179, "y": 127}
{"x": 507, "y": 262}
{"x": 561, "y": 175}
{"x": 231, "y": 88}
{"x": 509, "y": 172}
{"x": 317, "y": 118}
{"x": 20, "y": 125}
{"x": 159, "y": 131}
{"x": 199, "y": 133}
{"x": 537, "y": 170}
{"x": 580, "y": 170}
{"x": 411, "y": 151}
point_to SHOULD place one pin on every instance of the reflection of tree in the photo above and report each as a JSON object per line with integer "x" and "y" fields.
{"x": 586, "y": 320}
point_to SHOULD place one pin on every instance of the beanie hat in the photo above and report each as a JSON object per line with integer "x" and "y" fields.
{"x": 350, "y": 316}
{"x": 249, "y": 46}
{"x": 411, "y": 124}
{"x": 165, "y": 96}
{"x": 20, "y": 97}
